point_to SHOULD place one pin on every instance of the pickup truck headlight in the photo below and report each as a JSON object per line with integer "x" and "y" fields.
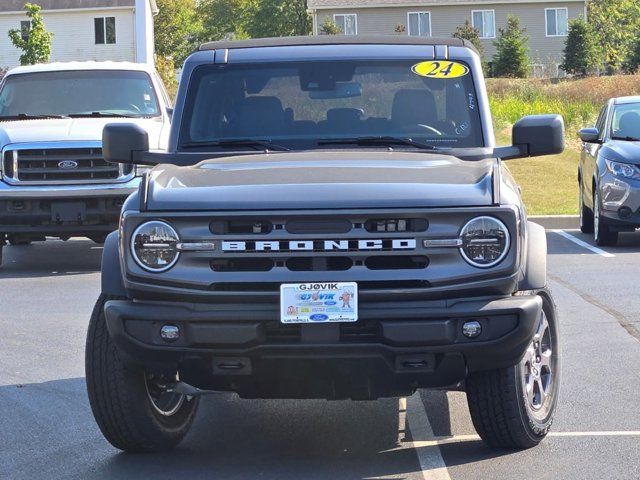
{"x": 154, "y": 246}
{"x": 485, "y": 242}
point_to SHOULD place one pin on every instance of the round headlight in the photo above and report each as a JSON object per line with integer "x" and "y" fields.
{"x": 485, "y": 242}
{"x": 153, "y": 246}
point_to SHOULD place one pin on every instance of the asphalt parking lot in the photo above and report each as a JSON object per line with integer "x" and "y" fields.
{"x": 47, "y": 430}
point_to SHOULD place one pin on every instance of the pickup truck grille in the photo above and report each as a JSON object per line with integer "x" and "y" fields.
{"x": 385, "y": 251}
{"x": 60, "y": 165}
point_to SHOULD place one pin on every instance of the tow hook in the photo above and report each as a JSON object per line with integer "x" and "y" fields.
{"x": 189, "y": 390}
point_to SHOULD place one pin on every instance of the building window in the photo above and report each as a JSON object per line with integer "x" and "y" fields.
{"x": 348, "y": 23}
{"x": 25, "y": 28}
{"x": 105, "y": 30}
{"x": 557, "y": 21}
{"x": 419, "y": 24}
{"x": 485, "y": 22}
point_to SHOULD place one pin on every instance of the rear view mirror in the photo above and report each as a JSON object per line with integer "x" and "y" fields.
{"x": 589, "y": 135}
{"x": 535, "y": 135}
{"x": 124, "y": 143}
{"x": 341, "y": 90}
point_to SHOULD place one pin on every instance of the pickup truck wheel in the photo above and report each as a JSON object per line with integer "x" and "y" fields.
{"x": 134, "y": 409}
{"x": 602, "y": 233}
{"x": 586, "y": 214}
{"x": 514, "y": 407}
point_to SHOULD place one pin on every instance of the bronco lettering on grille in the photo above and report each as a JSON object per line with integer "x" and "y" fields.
{"x": 318, "y": 245}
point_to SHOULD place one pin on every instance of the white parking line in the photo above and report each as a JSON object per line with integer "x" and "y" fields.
{"x": 427, "y": 445}
{"x": 583, "y": 244}
{"x": 429, "y": 456}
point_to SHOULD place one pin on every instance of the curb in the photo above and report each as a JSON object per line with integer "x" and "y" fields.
{"x": 557, "y": 222}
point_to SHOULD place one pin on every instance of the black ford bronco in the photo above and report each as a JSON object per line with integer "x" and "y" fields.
{"x": 332, "y": 220}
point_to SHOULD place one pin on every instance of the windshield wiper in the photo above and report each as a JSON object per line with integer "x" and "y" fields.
{"x": 29, "y": 116}
{"x": 239, "y": 142}
{"x": 626, "y": 139}
{"x": 100, "y": 115}
{"x": 381, "y": 140}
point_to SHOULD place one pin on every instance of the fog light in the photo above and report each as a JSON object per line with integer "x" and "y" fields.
{"x": 471, "y": 329}
{"x": 624, "y": 212}
{"x": 170, "y": 333}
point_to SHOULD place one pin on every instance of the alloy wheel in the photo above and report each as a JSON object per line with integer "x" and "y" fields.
{"x": 538, "y": 366}
{"x": 163, "y": 401}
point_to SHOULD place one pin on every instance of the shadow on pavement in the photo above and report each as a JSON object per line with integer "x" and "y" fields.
{"x": 51, "y": 258}
{"x": 48, "y": 431}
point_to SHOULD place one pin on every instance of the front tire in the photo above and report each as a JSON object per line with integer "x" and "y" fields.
{"x": 132, "y": 408}
{"x": 514, "y": 407}
{"x": 603, "y": 235}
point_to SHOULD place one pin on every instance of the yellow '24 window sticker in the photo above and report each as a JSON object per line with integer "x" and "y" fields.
{"x": 440, "y": 69}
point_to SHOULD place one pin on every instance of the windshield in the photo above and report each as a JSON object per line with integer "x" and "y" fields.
{"x": 310, "y": 104}
{"x": 626, "y": 122}
{"x": 93, "y": 92}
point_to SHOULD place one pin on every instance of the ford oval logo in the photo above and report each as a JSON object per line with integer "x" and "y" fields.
{"x": 318, "y": 317}
{"x": 67, "y": 164}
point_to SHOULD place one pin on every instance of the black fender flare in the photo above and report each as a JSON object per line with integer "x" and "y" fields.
{"x": 535, "y": 267}
{"x": 111, "y": 272}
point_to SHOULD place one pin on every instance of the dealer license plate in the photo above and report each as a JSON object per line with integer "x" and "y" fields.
{"x": 320, "y": 302}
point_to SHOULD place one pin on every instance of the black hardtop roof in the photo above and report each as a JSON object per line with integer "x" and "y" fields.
{"x": 336, "y": 40}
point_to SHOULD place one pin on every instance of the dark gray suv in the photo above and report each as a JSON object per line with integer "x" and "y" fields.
{"x": 609, "y": 172}
{"x": 332, "y": 220}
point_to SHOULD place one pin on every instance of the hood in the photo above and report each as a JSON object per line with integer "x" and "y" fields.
{"x": 72, "y": 129}
{"x": 321, "y": 179}
{"x": 620, "y": 150}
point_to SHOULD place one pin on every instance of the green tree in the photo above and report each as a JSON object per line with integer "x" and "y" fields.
{"x": 615, "y": 24}
{"x": 632, "y": 62}
{"x": 177, "y": 29}
{"x": 329, "y": 27}
{"x": 36, "y": 46}
{"x": 278, "y": 18}
{"x": 167, "y": 70}
{"x": 512, "y": 51}
{"x": 581, "y": 54}
{"x": 225, "y": 19}
{"x": 472, "y": 34}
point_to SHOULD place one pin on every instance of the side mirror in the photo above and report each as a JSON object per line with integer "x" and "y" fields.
{"x": 170, "y": 112}
{"x": 124, "y": 143}
{"x": 589, "y": 135}
{"x": 534, "y": 135}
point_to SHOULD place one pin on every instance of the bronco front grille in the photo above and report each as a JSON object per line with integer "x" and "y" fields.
{"x": 57, "y": 164}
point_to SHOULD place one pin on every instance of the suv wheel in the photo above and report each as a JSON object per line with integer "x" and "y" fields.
{"x": 586, "y": 214}
{"x": 602, "y": 233}
{"x": 134, "y": 409}
{"x": 514, "y": 407}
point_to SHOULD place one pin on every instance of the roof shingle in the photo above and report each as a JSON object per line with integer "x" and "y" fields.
{"x": 18, "y": 5}
{"x": 405, "y": 3}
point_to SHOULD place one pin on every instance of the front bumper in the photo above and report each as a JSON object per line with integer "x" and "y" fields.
{"x": 63, "y": 209}
{"x": 620, "y": 201}
{"x": 392, "y": 350}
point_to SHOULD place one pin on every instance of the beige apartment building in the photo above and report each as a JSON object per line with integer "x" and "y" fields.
{"x": 545, "y": 21}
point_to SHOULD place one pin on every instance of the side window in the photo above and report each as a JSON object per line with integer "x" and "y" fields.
{"x": 105, "y": 30}
{"x": 25, "y": 28}
{"x": 348, "y": 23}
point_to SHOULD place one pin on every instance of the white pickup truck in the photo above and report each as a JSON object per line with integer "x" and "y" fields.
{"x": 54, "y": 180}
